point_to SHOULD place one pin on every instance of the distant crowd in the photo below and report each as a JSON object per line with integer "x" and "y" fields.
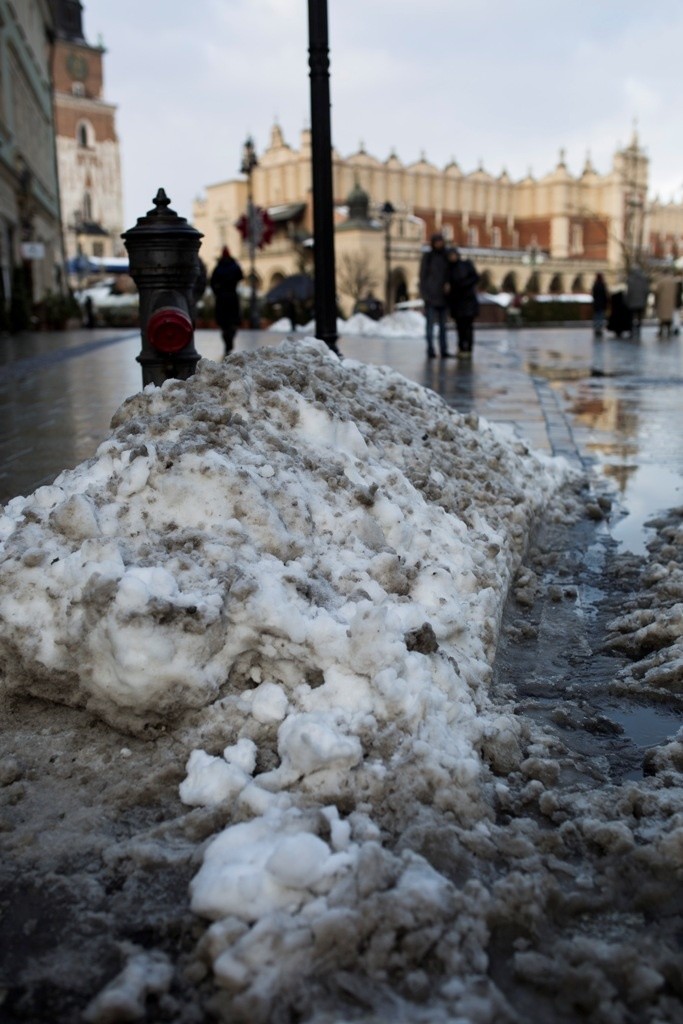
{"x": 623, "y": 310}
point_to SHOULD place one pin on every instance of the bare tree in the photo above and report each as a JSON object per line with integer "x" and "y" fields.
{"x": 630, "y": 240}
{"x": 355, "y": 276}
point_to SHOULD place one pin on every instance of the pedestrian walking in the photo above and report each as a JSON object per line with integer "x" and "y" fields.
{"x": 666, "y": 295}
{"x": 433, "y": 274}
{"x": 88, "y": 312}
{"x": 637, "y": 291}
{"x": 461, "y": 290}
{"x": 224, "y": 280}
{"x": 599, "y": 293}
{"x": 620, "y": 320}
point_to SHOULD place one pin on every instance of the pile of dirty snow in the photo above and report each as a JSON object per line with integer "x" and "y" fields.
{"x": 298, "y": 566}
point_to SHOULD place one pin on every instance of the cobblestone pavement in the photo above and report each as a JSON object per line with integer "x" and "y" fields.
{"x": 615, "y": 403}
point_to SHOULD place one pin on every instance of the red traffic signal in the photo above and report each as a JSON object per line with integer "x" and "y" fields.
{"x": 242, "y": 226}
{"x": 262, "y": 228}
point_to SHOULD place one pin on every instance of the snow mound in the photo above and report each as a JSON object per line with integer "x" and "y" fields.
{"x": 283, "y": 518}
{"x": 406, "y": 323}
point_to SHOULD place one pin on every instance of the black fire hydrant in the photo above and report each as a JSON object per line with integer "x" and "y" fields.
{"x": 163, "y": 251}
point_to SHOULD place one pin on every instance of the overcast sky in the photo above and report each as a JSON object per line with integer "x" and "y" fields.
{"x": 504, "y": 83}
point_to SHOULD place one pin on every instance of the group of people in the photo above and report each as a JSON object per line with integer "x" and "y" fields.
{"x": 627, "y": 304}
{"x": 448, "y": 285}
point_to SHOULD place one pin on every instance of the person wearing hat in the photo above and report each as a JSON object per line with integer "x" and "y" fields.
{"x": 224, "y": 280}
{"x": 433, "y": 276}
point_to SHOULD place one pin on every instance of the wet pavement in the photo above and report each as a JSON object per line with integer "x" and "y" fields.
{"x": 616, "y": 404}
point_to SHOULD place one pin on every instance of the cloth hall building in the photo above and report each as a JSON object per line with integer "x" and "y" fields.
{"x": 549, "y": 234}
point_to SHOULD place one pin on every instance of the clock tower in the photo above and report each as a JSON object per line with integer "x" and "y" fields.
{"x": 88, "y": 157}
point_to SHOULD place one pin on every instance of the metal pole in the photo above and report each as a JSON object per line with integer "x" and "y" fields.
{"x": 253, "y": 316}
{"x": 387, "y": 283}
{"x": 387, "y": 212}
{"x": 321, "y": 160}
{"x": 249, "y": 162}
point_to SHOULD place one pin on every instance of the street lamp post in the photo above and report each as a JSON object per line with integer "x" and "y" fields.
{"x": 249, "y": 162}
{"x": 321, "y": 167}
{"x": 387, "y": 212}
{"x": 532, "y": 258}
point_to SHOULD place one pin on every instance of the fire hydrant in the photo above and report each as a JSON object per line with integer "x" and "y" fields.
{"x": 164, "y": 263}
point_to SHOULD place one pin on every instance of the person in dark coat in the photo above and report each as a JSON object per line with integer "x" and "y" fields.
{"x": 637, "y": 291}
{"x": 224, "y": 280}
{"x": 461, "y": 289}
{"x": 620, "y": 319}
{"x": 88, "y": 312}
{"x": 599, "y": 293}
{"x": 433, "y": 273}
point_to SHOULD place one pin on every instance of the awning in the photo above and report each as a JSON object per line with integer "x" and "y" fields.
{"x": 89, "y": 227}
{"x": 285, "y": 212}
{"x": 98, "y": 265}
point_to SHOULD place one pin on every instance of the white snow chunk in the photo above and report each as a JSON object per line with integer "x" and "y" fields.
{"x": 210, "y": 780}
{"x": 124, "y": 997}
{"x": 309, "y": 742}
{"x": 269, "y": 703}
{"x": 242, "y": 754}
{"x": 298, "y": 861}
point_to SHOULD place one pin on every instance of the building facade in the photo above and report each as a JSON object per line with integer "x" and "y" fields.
{"x": 31, "y": 257}
{"x": 547, "y": 235}
{"x": 88, "y": 152}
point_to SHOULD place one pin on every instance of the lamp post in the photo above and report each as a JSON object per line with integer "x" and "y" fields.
{"x": 387, "y": 213}
{"x": 249, "y": 162}
{"x": 321, "y": 167}
{"x": 532, "y": 258}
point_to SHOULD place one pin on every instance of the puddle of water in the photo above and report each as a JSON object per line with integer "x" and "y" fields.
{"x": 648, "y": 489}
{"x": 647, "y": 727}
{"x": 590, "y": 598}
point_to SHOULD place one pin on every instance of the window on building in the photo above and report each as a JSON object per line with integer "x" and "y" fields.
{"x": 82, "y": 135}
{"x": 87, "y": 207}
{"x": 447, "y": 232}
{"x": 78, "y": 89}
{"x": 577, "y": 238}
{"x": 515, "y": 239}
{"x": 98, "y": 249}
{"x": 496, "y": 238}
{"x": 473, "y": 236}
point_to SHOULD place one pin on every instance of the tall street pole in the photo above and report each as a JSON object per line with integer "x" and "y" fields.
{"x": 387, "y": 212}
{"x": 321, "y": 158}
{"x": 249, "y": 162}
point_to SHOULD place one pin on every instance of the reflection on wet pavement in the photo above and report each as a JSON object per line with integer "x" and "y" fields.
{"x": 646, "y": 489}
{"x": 646, "y": 727}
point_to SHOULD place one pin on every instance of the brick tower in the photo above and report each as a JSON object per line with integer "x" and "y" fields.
{"x": 88, "y": 156}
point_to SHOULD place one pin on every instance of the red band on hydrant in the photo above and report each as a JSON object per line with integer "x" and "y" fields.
{"x": 169, "y": 329}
